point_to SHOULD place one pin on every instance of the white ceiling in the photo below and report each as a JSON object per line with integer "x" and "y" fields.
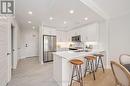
{"x": 114, "y": 8}
{"x": 59, "y": 9}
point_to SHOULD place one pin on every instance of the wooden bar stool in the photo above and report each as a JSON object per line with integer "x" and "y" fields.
{"x": 77, "y": 72}
{"x": 90, "y": 65}
{"x": 99, "y": 60}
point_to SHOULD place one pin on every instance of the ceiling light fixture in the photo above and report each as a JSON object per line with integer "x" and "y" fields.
{"x": 29, "y": 22}
{"x": 86, "y": 18}
{"x": 65, "y": 22}
{"x": 71, "y": 11}
{"x": 51, "y": 18}
{"x": 30, "y": 12}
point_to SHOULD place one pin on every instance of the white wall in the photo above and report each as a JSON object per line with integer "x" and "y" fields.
{"x": 103, "y": 39}
{"x": 29, "y": 37}
{"x": 16, "y": 43}
{"x": 119, "y": 36}
{"x": 19, "y": 42}
{"x": 40, "y": 45}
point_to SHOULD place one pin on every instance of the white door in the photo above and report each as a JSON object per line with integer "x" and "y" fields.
{"x": 5, "y": 60}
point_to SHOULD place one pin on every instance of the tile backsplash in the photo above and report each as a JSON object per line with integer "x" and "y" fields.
{"x": 93, "y": 45}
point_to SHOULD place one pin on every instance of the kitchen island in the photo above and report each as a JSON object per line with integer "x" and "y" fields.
{"x": 62, "y": 69}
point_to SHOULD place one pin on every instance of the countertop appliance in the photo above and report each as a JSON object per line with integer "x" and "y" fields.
{"x": 49, "y": 46}
{"x": 76, "y": 38}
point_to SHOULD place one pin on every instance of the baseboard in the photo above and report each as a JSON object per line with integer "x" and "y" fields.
{"x": 23, "y": 57}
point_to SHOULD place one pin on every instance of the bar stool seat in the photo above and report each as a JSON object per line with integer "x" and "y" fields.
{"x": 99, "y": 54}
{"x": 77, "y": 71}
{"x": 76, "y": 61}
{"x": 90, "y": 58}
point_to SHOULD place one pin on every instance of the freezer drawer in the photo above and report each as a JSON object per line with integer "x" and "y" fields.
{"x": 48, "y": 56}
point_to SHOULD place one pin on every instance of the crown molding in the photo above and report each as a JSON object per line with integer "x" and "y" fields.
{"x": 93, "y": 6}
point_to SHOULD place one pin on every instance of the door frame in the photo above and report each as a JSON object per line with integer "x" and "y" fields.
{"x": 15, "y": 43}
{"x": 10, "y": 66}
{"x": 9, "y": 51}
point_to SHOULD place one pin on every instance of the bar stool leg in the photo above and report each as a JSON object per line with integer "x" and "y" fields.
{"x": 97, "y": 64}
{"x": 100, "y": 60}
{"x": 86, "y": 68}
{"x": 72, "y": 74}
{"x": 77, "y": 73}
{"x": 80, "y": 72}
{"x": 93, "y": 69}
{"x": 102, "y": 64}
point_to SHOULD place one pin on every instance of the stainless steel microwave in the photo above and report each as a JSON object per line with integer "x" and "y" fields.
{"x": 76, "y": 38}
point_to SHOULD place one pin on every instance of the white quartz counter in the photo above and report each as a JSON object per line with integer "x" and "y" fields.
{"x": 73, "y": 54}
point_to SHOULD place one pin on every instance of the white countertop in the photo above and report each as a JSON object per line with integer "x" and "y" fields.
{"x": 72, "y": 54}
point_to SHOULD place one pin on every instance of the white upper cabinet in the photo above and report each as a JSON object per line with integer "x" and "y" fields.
{"x": 89, "y": 33}
{"x": 61, "y": 36}
{"x": 48, "y": 31}
{"x": 83, "y": 31}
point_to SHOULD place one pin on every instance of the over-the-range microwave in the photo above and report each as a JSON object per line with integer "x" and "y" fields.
{"x": 76, "y": 38}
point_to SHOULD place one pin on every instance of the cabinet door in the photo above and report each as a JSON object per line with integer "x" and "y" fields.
{"x": 64, "y": 37}
{"x": 58, "y": 36}
{"x": 61, "y": 36}
{"x": 49, "y": 31}
{"x": 83, "y": 33}
{"x": 46, "y": 31}
{"x": 52, "y": 31}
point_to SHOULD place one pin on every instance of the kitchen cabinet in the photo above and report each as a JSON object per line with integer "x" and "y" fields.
{"x": 69, "y": 35}
{"x": 75, "y": 32}
{"x": 48, "y": 31}
{"x": 89, "y": 33}
{"x": 83, "y": 31}
{"x": 61, "y": 36}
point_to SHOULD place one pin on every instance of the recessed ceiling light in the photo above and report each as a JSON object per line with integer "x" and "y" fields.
{"x": 51, "y": 18}
{"x": 86, "y": 18}
{"x": 30, "y": 12}
{"x": 65, "y": 22}
{"x": 71, "y": 11}
{"x": 33, "y": 27}
{"x": 29, "y": 22}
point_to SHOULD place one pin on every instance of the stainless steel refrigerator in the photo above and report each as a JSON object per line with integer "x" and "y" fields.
{"x": 49, "y": 46}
